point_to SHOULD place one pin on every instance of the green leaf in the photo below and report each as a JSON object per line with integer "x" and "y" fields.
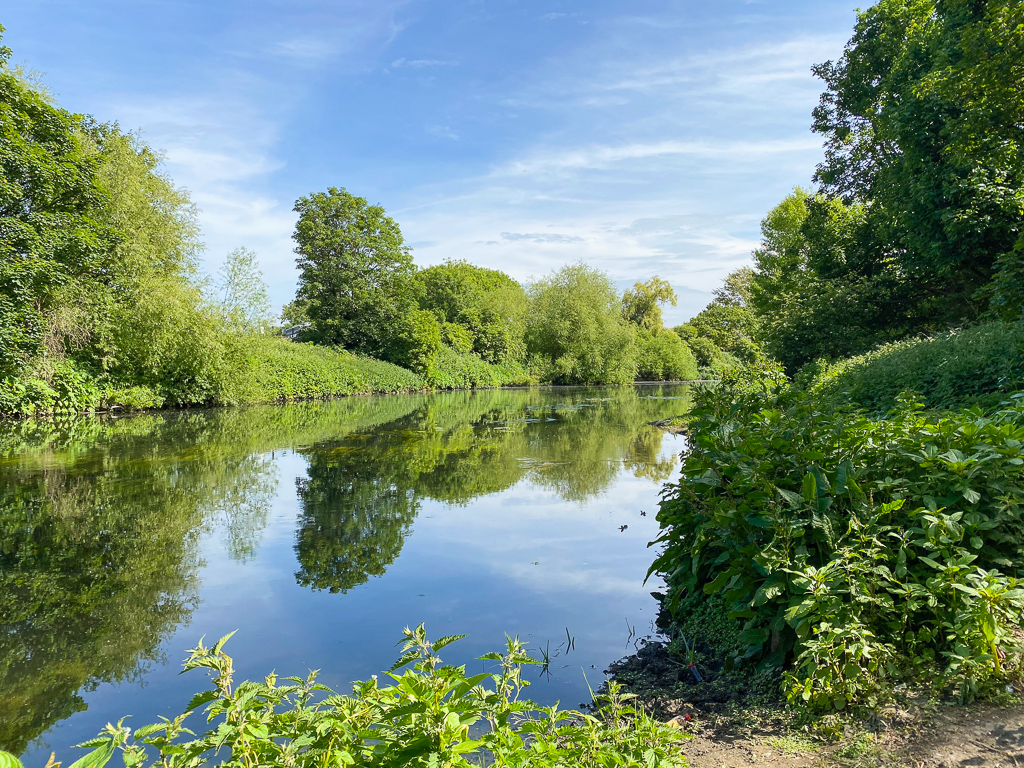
{"x": 810, "y": 488}
{"x": 793, "y": 499}
{"x": 97, "y": 758}
{"x": 220, "y": 643}
{"x": 148, "y": 730}
{"x": 447, "y": 640}
{"x": 7, "y": 760}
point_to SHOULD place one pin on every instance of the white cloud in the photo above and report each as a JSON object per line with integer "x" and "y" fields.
{"x": 420, "y": 63}
{"x": 443, "y": 131}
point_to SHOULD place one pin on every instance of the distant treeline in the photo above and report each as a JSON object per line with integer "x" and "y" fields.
{"x": 102, "y": 303}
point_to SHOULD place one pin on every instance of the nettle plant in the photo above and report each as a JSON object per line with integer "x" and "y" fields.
{"x": 854, "y": 552}
{"x": 430, "y": 714}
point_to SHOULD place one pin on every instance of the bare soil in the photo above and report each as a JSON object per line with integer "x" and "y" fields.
{"x": 729, "y": 731}
{"x": 976, "y": 736}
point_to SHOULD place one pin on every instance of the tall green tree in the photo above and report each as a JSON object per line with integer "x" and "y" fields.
{"x": 576, "y": 329}
{"x": 356, "y": 273}
{"x": 922, "y": 117}
{"x": 242, "y": 293}
{"x": 642, "y": 305}
{"x": 728, "y": 322}
{"x": 49, "y": 237}
{"x": 808, "y": 303}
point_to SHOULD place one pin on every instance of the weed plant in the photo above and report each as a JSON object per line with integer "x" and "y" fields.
{"x": 429, "y": 714}
{"x": 464, "y": 370}
{"x": 852, "y": 553}
{"x": 957, "y": 369}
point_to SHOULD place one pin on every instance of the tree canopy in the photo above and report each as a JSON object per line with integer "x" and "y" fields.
{"x": 575, "y": 327}
{"x": 355, "y": 273}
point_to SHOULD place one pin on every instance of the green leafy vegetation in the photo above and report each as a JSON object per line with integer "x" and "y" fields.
{"x": 978, "y": 364}
{"x": 853, "y": 553}
{"x": 576, "y": 330}
{"x": 858, "y": 528}
{"x": 422, "y": 712}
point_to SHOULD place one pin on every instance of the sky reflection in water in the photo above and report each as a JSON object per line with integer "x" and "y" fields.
{"x": 319, "y": 531}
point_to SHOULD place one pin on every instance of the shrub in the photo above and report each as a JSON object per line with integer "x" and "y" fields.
{"x": 664, "y": 357}
{"x": 455, "y": 370}
{"x": 276, "y": 369}
{"x": 945, "y": 371}
{"x": 430, "y": 715}
{"x": 853, "y": 552}
{"x": 575, "y": 329}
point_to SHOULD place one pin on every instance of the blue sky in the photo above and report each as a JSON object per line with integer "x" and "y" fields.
{"x": 642, "y": 137}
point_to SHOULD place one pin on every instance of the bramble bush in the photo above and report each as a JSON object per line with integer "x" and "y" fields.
{"x": 430, "y": 714}
{"x": 854, "y": 553}
{"x": 956, "y": 369}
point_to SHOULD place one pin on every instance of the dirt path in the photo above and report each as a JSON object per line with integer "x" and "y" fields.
{"x": 977, "y": 736}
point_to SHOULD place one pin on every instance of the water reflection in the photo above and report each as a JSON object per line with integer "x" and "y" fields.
{"x": 100, "y": 518}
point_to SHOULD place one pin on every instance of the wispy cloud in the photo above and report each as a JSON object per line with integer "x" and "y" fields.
{"x": 420, "y": 63}
{"x": 540, "y": 237}
{"x": 311, "y": 49}
{"x": 443, "y": 132}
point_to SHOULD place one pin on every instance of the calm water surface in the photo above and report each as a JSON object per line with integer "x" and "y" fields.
{"x": 319, "y": 531}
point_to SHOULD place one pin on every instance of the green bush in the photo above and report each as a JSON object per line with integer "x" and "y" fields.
{"x": 455, "y": 370}
{"x": 853, "y": 552}
{"x": 575, "y": 329}
{"x": 430, "y": 714}
{"x": 946, "y": 371}
{"x": 664, "y": 357}
{"x": 275, "y": 369}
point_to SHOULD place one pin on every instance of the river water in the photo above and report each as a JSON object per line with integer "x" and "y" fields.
{"x": 319, "y": 531}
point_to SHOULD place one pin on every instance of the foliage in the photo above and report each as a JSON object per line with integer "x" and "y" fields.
{"x": 729, "y": 321}
{"x": 49, "y": 237}
{"x": 463, "y": 370}
{"x": 807, "y": 307}
{"x": 576, "y": 331}
{"x": 642, "y": 305}
{"x": 242, "y": 293}
{"x": 272, "y": 369}
{"x": 664, "y": 357}
{"x": 955, "y": 369}
{"x": 430, "y": 714}
{"x": 294, "y": 313}
{"x": 723, "y": 333}
{"x": 856, "y": 552}
{"x": 488, "y": 305}
{"x": 356, "y": 273}
{"x": 922, "y": 125}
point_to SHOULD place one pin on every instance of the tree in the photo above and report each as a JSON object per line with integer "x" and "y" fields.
{"x": 642, "y": 305}
{"x": 355, "y": 273}
{"x": 814, "y": 291}
{"x": 489, "y": 304}
{"x": 48, "y": 236}
{"x": 922, "y": 119}
{"x": 242, "y": 292}
{"x": 576, "y": 329}
{"x": 728, "y": 321}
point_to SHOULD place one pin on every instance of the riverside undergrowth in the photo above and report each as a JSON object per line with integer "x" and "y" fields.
{"x": 429, "y": 714}
{"x": 854, "y": 554}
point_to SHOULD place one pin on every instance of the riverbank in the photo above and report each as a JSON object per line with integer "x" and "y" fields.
{"x": 749, "y": 732}
{"x": 840, "y": 555}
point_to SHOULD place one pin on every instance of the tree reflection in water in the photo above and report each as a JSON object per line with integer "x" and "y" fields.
{"x": 100, "y": 519}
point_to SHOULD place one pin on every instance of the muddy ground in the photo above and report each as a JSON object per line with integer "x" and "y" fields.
{"x": 729, "y": 732}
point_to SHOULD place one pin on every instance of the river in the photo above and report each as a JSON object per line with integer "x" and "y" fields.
{"x": 319, "y": 531}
